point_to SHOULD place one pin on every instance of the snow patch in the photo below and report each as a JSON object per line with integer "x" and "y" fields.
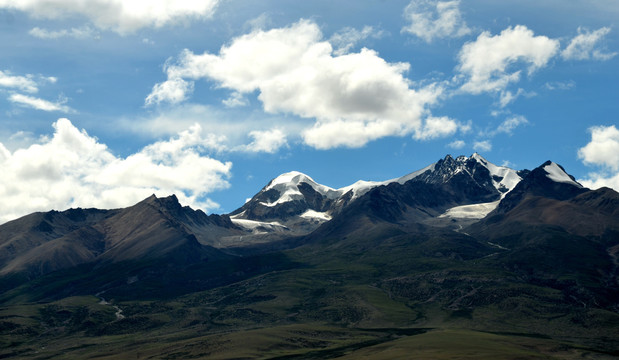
{"x": 239, "y": 215}
{"x": 474, "y": 211}
{"x": 311, "y": 214}
{"x": 509, "y": 177}
{"x": 253, "y": 224}
{"x": 361, "y": 187}
{"x": 287, "y": 185}
{"x": 555, "y": 173}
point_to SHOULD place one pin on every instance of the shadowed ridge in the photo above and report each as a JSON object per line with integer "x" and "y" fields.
{"x": 154, "y": 228}
{"x": 42, "y": 242}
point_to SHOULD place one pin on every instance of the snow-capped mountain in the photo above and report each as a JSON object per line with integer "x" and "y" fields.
{"x": 294, "y": 201}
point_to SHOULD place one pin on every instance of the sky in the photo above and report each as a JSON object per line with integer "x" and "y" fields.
{"x": 105, "y": 102}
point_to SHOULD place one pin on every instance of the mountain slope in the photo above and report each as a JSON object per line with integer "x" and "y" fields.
{"x": 393, "y": 264}
{"x": 41, "y": 242}
{"x": 154, "y": 228}
{"x": 555, "y": 231}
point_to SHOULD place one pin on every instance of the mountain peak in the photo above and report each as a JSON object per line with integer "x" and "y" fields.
{"x": 556, "y": 173}
{"x": 289, "y": 178}
{"x": 169, "y": 202}
{"x": 547, "y": 180}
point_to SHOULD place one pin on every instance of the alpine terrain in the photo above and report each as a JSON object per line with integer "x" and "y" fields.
{"x": 460, "y": 259}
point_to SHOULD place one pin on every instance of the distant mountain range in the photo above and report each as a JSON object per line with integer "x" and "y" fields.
{"x": 462, "y": 232}
{"x": 452, "y": 193}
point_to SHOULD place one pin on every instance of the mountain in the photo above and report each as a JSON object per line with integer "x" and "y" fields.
{"x": 43, "y": 242}
{"x": 462, "y": 254}
{"x": 154, "y": 228}
{"x": 294, "y": 204}
{"x": 556, "y": 231}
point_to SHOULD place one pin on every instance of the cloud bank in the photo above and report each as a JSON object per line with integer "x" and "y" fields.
{"x": 121, "y": 16}
{"x": 72, "y": 169}
{"x": 353, "y": 98}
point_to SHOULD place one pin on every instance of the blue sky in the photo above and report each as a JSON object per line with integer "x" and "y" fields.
{"x": 105, "y": 102}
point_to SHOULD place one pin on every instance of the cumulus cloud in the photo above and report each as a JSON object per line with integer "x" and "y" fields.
{"x": 122, "y": 16}
{"x": 585, "y": 46}
{"x": 40, "y": 104}
{"x": 597, "y": 180}
{"x": 268, "y": 141}
{"x": 488, "y": 63}
{"x": 482, "y": 146}
{"x": 72, "y": 169}
{"x": 345, "y": 39}
{"x": 83, "y": 32}
{"x": 431, "y": 19}
{"x": 436, "y": 127}
{"x": 174, "y": 90}
{"x": 603, "y": 149}
{"x": 602, "y": 152}
{"x": 359, "y": 95}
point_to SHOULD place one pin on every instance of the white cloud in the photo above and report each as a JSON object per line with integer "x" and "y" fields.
{"x": 603, "y": 149}
{"x": 457, "y": 144}
{"x": 236, "y": 99}
{"x": 268, "y": 141}
{"x": 30, "y": 84}
{"x": 262, "y": 21}
{"x": 23, "y": 83}
{"x": 72, "y": 169}
{"x": 233, "y": 126}
{"x": 488, "y": 63}
{"x": 508, "y": 164}
{"x": 40, "y": 104}
{"x": 482, "y": 146}
{"x": 507, "y": 97}
{"x": 583, "y": 46}
{"x": 559, "y": 85}
{"x": 122, "y": 16}
{"x": 435, "y": 19}
{"x": 603, "y": 179}
{"x": 436, "y": 127}
{"x": 603, "y": 152}
{"x": 174, "y": 90}
{"x": 347, "y": 38}
{"x": 506, "y": 127}
{"x": 83, "y": 32}
{"x": 360, "y": 96}
{"x": 510, "y": 124}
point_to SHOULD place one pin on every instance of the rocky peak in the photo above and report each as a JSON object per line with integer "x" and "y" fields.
{"x": 548, "y": 180}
